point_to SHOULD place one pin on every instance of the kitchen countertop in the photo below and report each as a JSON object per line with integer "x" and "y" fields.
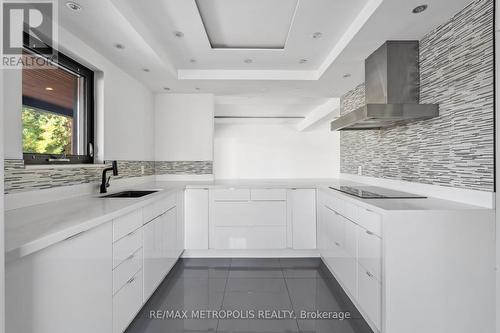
{"x": 33, "y": 228}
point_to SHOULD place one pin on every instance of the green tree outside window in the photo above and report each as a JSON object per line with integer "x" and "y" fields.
{"x": 45, "y": 132}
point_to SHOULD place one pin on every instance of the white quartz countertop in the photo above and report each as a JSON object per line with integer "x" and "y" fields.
{"x": 33, "y": 228}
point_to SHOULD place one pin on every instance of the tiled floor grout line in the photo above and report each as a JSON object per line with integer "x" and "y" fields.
{"x": 224, "y": 294}
{"x": 290, "y": 297}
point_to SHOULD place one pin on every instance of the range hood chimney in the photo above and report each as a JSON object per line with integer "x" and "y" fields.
{"x": 392, "y": 90}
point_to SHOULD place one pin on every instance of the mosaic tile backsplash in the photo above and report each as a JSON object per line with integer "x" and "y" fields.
{"x": 21, "y": 179}
{"x": 184, "y": 167}
{"x": 457, "y": 148}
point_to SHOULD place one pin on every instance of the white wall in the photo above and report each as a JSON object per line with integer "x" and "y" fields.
{"x": 275, "y": 151}
{"x": 184, "y": 126}
{"x": 125, "y": 111}
{"x": 12, "y": 92}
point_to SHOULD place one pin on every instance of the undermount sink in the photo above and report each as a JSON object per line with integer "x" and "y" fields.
{"x": 129, "y": 194}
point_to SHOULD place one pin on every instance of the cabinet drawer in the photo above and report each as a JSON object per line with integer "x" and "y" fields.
{"x": 369, "y": 220}
{"x": 127, "y": 302}
{"x": 249, "y": 238}
{"x": 126, "y": 224}
{"x": 236, "y": 194}
{"x": 369, "y": 252}
{"x": 126, "y": 246}
{"x": 246, "y": 213}
{"x": 163, "y": 205}
{"x": 369, "y": 295}
{"x": 127, "y": 269}
{"x": 148, "y": 213}
{"x": 157, "y": 208}
{"x": 268, "y": 194}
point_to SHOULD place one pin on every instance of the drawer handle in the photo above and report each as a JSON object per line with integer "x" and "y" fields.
{"x": 369, "y": 232}
{"x": 75, "y": 235}
{"x": 332, "y": 210}
{"x": 337, "y": 243}
{"x": 130, "y": 257}
{"x": 369, "y": 210}
{"x": 369, "y": 274}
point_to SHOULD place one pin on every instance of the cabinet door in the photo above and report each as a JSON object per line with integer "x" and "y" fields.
{"x": 346, "y": 263}
{"x": 320, "y": 237}
{"x": 66, "y": 287}
{"x": 180, "y": 223}
{"x": 303, "y": 206}
{"x": 170, "y": 249}
{"x": 369, "y": 295}
{"x": 370, "y": 252}
{"x": 154, "y": 261}
{"x": 127, "y": 302}
{"x": 334, "y": 238}
{"x": 196, "y": 219}
{"x": 160, "y": 250}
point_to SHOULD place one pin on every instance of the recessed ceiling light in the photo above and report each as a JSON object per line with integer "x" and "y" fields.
{"x": 317, "y": 35}
{"x": 419, "y": 9}
{"x": 192, "y": 60}
{"x": 178, "y": 34}
{"x": 119, "y": 46}
{"x": 49, "y": 88}
{"x": 147, "y": 70}
{"x": 248, "y": 61}
{"x": 302, "y": 61}
{"x": 347, "y": 75}
{"x": 73, "y": 6}
{"x": 166, "y": 88}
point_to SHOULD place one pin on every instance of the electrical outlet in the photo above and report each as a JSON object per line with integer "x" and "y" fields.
{"x": 360, "y": 170}
{"x": 142, "y": 169}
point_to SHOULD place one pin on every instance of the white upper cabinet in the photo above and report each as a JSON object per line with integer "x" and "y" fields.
{"x": 184, "y": 127}
{"x": 303, "y": 218}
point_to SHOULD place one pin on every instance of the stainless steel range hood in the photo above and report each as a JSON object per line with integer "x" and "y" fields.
{"x": 392, "y": 90}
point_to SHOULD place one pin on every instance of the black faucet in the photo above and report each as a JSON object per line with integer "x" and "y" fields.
{"x": 105, "y": 181}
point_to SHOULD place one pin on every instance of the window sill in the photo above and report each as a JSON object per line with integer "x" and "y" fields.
{"x": 64, "y": 166}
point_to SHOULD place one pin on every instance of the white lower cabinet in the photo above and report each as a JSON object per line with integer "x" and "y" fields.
{"x": 346, "y": 263}
{"x": 249, "y": 213}
{"x": 196, "y": 219}
{"x": 243, "y": 238}
{"x": 370, "y": 252}
{"x": 180, "y": 211}
{"x": 127, "y": 302}
{"x": 257, "y": 219}
{"x": 341, "y": 248}
{"x": 96, "y": 280}
{"x": 66, "y": 287}
{"x": 160, "y": 250}
{"x": 245, "y": 219}
{"x": 352, "y": 253}
{"x": 302, "y": 204}
{"x": 126, "y": 270}
{"x": 369, "y": 295}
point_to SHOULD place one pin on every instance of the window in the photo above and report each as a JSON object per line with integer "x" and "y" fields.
{"x": 57, "y": 112}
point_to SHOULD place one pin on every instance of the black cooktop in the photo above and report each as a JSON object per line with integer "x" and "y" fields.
{"x": 374, "y": 192}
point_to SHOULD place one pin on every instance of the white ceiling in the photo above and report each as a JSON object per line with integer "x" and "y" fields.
{"x": 351, "y": 30}
{"x": 257, "y": 24}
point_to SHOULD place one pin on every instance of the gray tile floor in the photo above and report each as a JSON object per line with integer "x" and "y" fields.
{"x": 242, "y": 287}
